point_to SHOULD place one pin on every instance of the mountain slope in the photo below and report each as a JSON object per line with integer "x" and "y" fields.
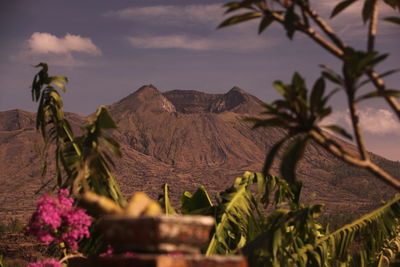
{"x": 186, "y": 139}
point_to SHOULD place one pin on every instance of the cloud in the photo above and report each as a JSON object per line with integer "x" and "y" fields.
{"x": 372, "y": 120}
{"x": 214, "y": 43}
{"x": 172, "y": 14}
{"x": 55, "y": 50}
{"x": 46, "y": 43}
{"x": 186, "y": 25}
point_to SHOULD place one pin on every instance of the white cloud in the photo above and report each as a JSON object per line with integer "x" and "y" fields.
{"x": 46, "y": 43}
{"x": 227, "y": 43}
{"x": 59, "y": 51}
{"x": 172, "y": 14}
{"x": 372, "y": 120}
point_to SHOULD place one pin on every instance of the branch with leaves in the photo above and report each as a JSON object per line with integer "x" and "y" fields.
{"x": 301, "y": 114}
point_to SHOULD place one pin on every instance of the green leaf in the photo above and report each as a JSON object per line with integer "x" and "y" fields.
{"x": 280, "y": 87}
{"x": 293, "y": 153}
{"x": 387, "y": 73}
{"x": 240, "y": 18}
{"x": 317, "y": 93}
{"x": 198, "y": 203}
{"x": 298, "y": 81}
{"x": 60, "y": 81}
{"x": 104, "y": 119}
{"x": 165, "y": 201}
{"x": 234, "y": 216}
{"x": 265, "y": 22}
{"x": 395, "y": 20}
{"x": 290, "y": 22}
{"x": 339, "y": 130}
{"x": 373, "y": 228}
{"x": 233, "y": 6}
{"x": 341, "y": 6}
{"x": 273, "y": 152}
{"x": 386, "y": 93}
{"x": 329, "y": 74}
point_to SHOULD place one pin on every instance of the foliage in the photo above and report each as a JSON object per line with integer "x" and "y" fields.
{"x": 89, "y": 155}
{"x": 283, "y": 232}
{"x": 92, "y": 148}
{"x": 301, "y": 110}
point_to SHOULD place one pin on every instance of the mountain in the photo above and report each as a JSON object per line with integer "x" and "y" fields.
{"x": 185, "y": 139}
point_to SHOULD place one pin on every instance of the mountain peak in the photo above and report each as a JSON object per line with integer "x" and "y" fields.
{"x": 146, "y": 98}
{"x": 147, "y": 89}
{"x": 236, "y": 89}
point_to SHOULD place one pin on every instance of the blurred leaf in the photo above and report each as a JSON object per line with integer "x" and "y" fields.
{"x": 298, "y": 81}
{"x": 60, "y": 81}
{"x": 273, "y": 152}
{"x": 331, "y": 75}
{"x": 265, "y": 22}
{"x": 339, "y": 130}
{"x": 387, "y": 73}
{"x": 395, "y": 4}
{"x": 240, "y": 18}
{"x": 317, "y": 93}
{"x": 388, "y": 92}
{"x": 104, "y": 119}
{"x": 293, "y": 153}
{"x": 280, "y": 87}
{"x": 395, "y": 20}
{"x": 341, "y": 6}
{"x": 290, "y": 21}
{"x": 368, "y": 7}
{"x": 233, "y": 6}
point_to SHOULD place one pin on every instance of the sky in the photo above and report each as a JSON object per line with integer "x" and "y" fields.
{"x": 108, "y": 49}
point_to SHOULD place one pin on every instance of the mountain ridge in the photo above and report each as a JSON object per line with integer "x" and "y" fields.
{"x": 184, "y": 138}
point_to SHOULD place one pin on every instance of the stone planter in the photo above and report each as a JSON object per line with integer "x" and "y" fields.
{"x": 161, "y": 234}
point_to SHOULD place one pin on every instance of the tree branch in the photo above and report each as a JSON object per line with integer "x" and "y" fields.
{"x": 313, "y": 34}
{"x": 372, "y": 26}
{"x": 380, "y": 85}
{"x": 356, "y": 128}
{"x": 323, "y": 25}
{"x": 339, "y": 152}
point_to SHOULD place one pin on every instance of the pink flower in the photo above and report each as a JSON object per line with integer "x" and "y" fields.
{"x": 56, "y": 219}
{"x": 45, "y": 263}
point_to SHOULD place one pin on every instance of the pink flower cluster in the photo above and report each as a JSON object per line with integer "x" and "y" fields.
{"x": 45, "y": 263}
{"x": 56, "y": 219}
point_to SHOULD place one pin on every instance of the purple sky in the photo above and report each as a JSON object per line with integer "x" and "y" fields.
{"x": 108, "y": 49}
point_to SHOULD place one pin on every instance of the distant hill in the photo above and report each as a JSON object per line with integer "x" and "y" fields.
{"x": 186, "y": 139}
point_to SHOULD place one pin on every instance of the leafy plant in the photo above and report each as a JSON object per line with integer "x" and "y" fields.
{"x": 72, "y": 153}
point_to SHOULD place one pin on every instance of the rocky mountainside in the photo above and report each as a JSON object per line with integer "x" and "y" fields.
{"x": 186, "y": 139}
